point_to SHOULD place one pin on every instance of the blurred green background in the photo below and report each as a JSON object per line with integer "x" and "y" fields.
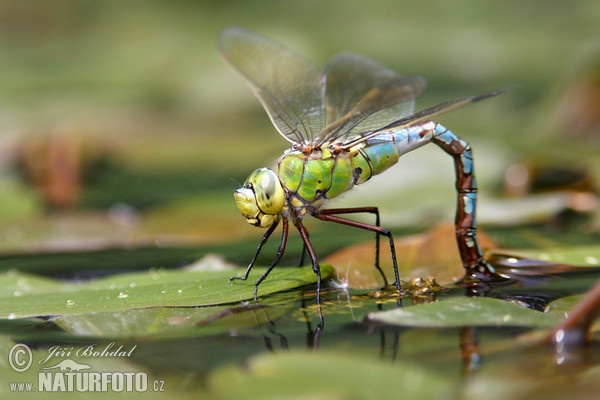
{"x": 119, "y": 122}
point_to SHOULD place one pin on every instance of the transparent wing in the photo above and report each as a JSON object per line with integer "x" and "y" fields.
{"x": 290, "y": 88}
{"x": 362, "y": 95}
{"x": 423, "y": 115}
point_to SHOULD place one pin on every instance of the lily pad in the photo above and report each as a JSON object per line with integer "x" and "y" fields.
{"x": 562, "y": 307}
{"x": 585, "y": 256}
{"x": 465, "y": 311}
{"x": 431, "y": 254}
{"x": 26, "y": 295}
{"x": 176, "y": 321}
{"x": 301, "y": 376}
{"x": 522, "y": 373}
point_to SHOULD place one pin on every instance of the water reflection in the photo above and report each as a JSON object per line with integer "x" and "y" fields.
{"x": 201, "y": 340}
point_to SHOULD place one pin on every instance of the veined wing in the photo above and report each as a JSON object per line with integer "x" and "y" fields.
{"x": 362, "y": 95}
{"x": 290, "y": 88}
{"x": 424, "y": 115}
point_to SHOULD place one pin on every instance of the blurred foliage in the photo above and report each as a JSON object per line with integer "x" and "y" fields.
{"x": 158, "y": 116}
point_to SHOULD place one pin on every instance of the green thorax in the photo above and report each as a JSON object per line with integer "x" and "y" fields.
{"x": 311, "y": 177}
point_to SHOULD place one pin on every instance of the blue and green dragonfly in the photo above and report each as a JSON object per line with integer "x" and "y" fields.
{"x": 345, "y": 124}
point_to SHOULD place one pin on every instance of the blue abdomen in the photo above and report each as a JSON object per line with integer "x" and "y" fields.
{"x": 380, "y": 152}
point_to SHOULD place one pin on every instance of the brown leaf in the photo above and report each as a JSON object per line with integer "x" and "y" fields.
{"x": 432, "y": 253}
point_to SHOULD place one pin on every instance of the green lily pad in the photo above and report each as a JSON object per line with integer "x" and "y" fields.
{"x": 328, "y": 375}
{"x": 465, "y": 311}
{"x": 562, "y": 308}
{"x": 564, "y": 305}
{"x": 533, "y": 372}
{"x": 25, "y": 295}
{"x": 175, "y": 321}
{"x": 585, "y": 256}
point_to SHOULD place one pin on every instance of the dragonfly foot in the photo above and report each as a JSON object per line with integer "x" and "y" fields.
{"x": 481, "y": 270}
{"x": 256, "y": 293}
{"x": 237, "y": 278}
{"x": 396, "y": 285}
{"x": 480, "y": 278}
{"x": 388, "y": 291}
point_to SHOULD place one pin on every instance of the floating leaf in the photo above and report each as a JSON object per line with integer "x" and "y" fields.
{"x": 433, "y": 253}
{"x": 524, "y": 373}
{"x": 562, "y": 308}
{"x": 328, "y": 375}
{"x": 587, "y": 256}
{"x": 465, "y": 311}
{"x": 157, "y": 288}
{"x": 180, "y": 321}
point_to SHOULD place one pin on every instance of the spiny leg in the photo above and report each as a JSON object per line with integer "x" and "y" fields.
{"x": 354, "y": 210}
{"x": 466, "y": 187}
{"x": 280, "y": 251}
{"x": 377, "y": 229}
{"x": 264, "y": 240}
{"x": 315, "y": 264}
{"x": 303, "y": 254}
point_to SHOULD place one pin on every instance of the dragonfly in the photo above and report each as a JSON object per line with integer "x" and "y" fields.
{"x": 346, "y": 123}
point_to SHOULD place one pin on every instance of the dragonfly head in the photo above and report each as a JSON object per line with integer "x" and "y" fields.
{"x": 261, "y": 199}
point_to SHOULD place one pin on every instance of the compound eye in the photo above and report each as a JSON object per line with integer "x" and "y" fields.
{"x": 270, "y": 196}
{"x": 262, "y": 198}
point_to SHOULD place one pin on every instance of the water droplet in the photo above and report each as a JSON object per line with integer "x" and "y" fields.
{"x": 122, "y": 295}
{"x": 70, "y": 302}
{"x": 591, "y": 260}
{"x": 180, "y": 291}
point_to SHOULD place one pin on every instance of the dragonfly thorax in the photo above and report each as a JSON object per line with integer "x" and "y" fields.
{"x": 310, "y": 175}
{"x": 261, "y": 199}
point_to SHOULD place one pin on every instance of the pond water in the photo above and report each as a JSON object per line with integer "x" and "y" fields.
{"x": 465, "y": 348}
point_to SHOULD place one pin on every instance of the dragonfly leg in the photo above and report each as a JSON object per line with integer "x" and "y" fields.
{"x": 354, "y": 210}
{"x": 303, "y": 254}
{"x": 315, "y": 263}
{"x": 264, "y": 240}
{"x": 377, "y": 229}
{"x": 280, "y": 251}
{"x": 466, "y": 186}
